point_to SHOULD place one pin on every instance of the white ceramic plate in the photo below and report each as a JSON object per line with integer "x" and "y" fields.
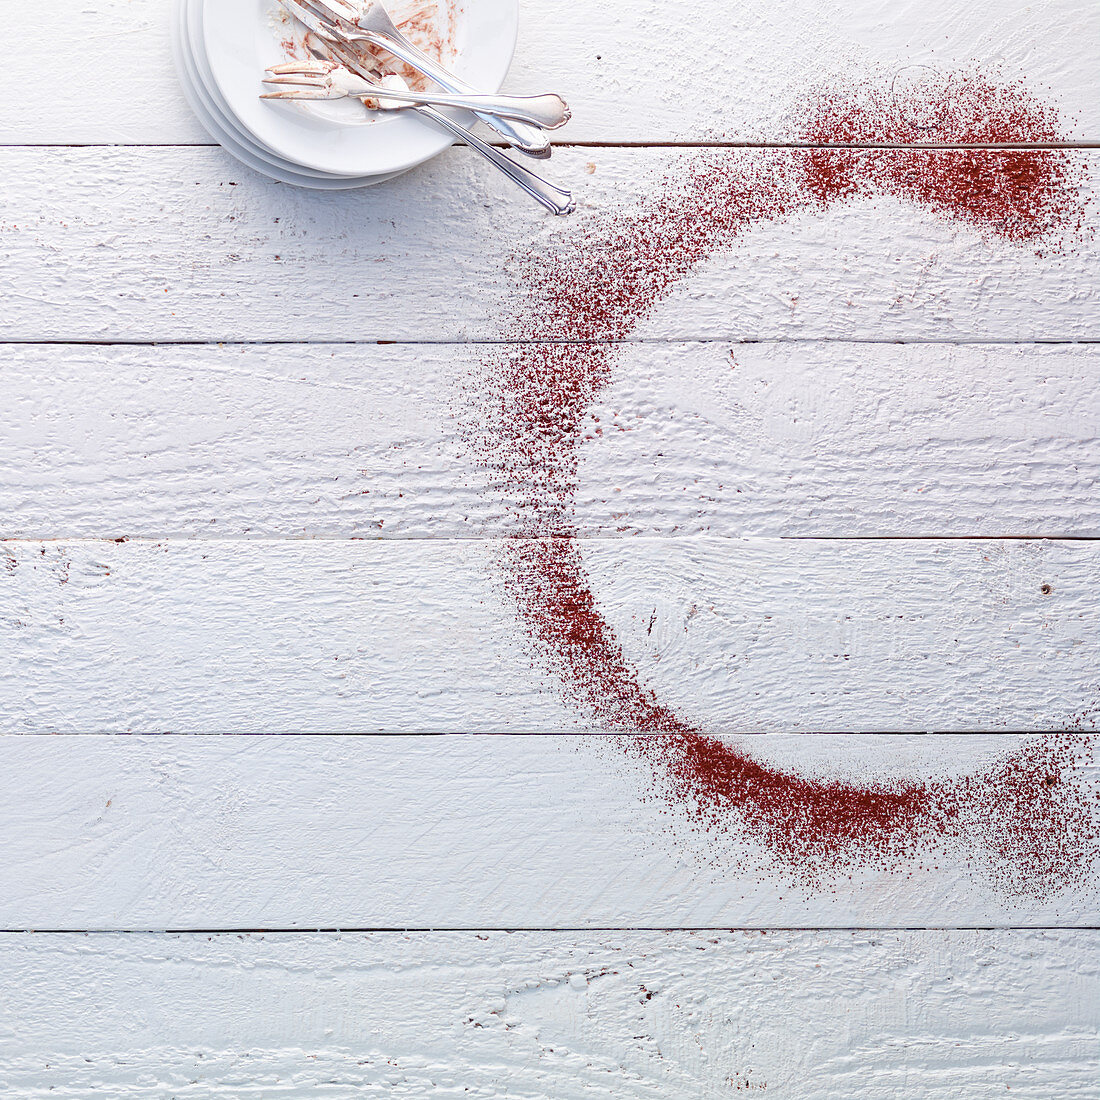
{"x": 225, "y": 132}
{"x": 243, "y": 38}
{"x": 220, "y": 130}
{"x": 203, "y": 83}
{"x": 205, "y": 79}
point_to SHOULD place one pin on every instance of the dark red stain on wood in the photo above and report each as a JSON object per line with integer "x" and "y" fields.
{"x": 1028, "y": 816}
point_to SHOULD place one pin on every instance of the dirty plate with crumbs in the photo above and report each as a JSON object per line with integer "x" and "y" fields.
{"x": 474, "y": 39}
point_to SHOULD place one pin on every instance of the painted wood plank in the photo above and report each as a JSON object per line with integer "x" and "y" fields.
{"x": 788, "y": 439}
{"x": 418, "y": 635}
{"x": 552, "y": 1016}
{"x": 605, "y": 58}
{"x": 181, "y": 244}
{"x": 117, "y": 833}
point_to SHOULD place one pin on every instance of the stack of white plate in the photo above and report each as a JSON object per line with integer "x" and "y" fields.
{"x": 222, "y": 47}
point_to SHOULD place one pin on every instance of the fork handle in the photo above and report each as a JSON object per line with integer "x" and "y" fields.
{"x": 521, "y": 135}
{"x": 547, "y": 111}
{"x": 553, "y": 198}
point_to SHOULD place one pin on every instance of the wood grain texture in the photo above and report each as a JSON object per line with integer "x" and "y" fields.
{"x": 552, "y": 1016}
{"x": 605, "y": 59}
{"x": 120, "y": 833}
{"x": 182, "y": 244}
{"x": 788, "y": 439}
{"x": 411, "y": 636}
{"x": 269, "y": 460}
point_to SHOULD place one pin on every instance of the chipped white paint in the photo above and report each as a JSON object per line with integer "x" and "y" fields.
{"x": 736, "y": 85}
{"x": 171, "y": 244}
{"x": 803, "y": 439}
{"x": 552, "y": 1016}
{"x": 440, "y": 832}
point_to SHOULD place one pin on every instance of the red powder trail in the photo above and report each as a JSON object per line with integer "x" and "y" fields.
{"x": 1026, "y": 817}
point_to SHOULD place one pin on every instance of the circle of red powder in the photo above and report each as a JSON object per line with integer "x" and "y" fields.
{"x": 1027, "y": 817}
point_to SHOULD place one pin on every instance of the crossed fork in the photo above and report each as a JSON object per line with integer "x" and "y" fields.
{"x": 341, "y": 68}
{"x": 325, "y": 79}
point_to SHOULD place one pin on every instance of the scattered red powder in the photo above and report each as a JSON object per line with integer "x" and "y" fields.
{"x": 1028, "y": 816}
{"x": 921, "y": 106}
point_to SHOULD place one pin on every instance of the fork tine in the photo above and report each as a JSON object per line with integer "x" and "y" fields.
{"x": 342, "y": 55}
{"x": 298, "y": 81}
{"x": 304, "y": 66}
{"x": 328, "y": 13}
{"x": 310, "y": 20}
{"x": 298, "y": 93}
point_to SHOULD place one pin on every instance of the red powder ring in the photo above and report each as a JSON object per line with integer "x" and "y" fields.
{"x": 1028, "y": 817}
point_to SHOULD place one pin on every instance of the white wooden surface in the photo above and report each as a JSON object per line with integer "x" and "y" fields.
{"x": 415, "y": 635}
{"x": 453, "y": 832}
{"x": 185, "y": 244}
{"x": 779, "y": 439}
{"x": 552, "y": 1016}
{"x": 242, "y": 473}
{"x": 604, "y": 57}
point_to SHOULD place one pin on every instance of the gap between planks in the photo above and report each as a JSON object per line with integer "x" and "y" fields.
{"x": 476, "y": 342}
{"x": 580, "y": 929}
{"x": 991, "y": 732}
{"x": 1054, "y": 145}
{"x": 679, "y": 539}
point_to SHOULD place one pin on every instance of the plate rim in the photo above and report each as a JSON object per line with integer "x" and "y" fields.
{"x": 308, "y": 151}
{"x": 234, "y": 143}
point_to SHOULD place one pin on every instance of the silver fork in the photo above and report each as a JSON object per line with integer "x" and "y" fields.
{"x": 345, "y": 22}
{"x": 555, "y": 199}
{"x": 327, "y": 80}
